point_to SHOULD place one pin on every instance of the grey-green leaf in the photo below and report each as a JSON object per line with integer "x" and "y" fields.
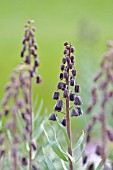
{"x": 49, "y": 163}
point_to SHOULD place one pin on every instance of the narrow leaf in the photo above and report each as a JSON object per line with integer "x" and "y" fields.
{"x": 65, "y": 133}
{"x": 39, "y": 110}
{"x": 9, "y": 136}
{"x": 57, "y": 149}
{"x": 49, "y": 163}
{"x": 99, "y": 167}
{"x": 64, "y": 167}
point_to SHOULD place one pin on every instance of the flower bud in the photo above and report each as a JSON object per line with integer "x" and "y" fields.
{"x": 6, "y": 112}
{"x": 98, "y": 150}
{"x": 63, "y": 122}
{"x": 56, "y": 95}
{"x": 34, "y": 146}
{"x": 110, "y": 135}
{"x": 74, "y": 73}
{"x": 78, "y": 100}
{"x": 84, "y": 161}
{"x": 22, "y": 54}
{"x": 71, "y": 96}
{"x": 62, "y": 67}
{"x": 65, "y": 51}
{"x": 65, "y": 94}
{"x": 67, "y": 59}
{"x": 27, "y": 60}
{"x": 64, "y": 60}
{"x": 63, "y": 86}
{"x": 59, "y": 85}
{"x": 72, "y": 49}
{"x": 61, "y": 76}
{"x": 35, "y": 46}
{"x": 65, "y": 43}
{"x": 24, "y": 161}
{"x": 72, "y": 58}
{"x": 70, "y": 66}
{"x": 38, "y": 80}
{"x": 36, "y": 63}
{"x": 72, "y": 82}
{"x": 77, "y": 89}
{"x": 65, "y": 75}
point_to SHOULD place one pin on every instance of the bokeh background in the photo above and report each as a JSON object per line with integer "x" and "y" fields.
{"x": 87, "y": 24}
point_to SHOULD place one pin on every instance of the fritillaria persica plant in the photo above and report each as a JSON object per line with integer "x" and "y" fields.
{"x": 104, "y": 81}
{"x": 67, "y": 94}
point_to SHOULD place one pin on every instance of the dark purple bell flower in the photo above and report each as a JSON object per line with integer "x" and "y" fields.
{"x": 38, "y": 80}
{"x": 74, "y": 112}
{"x": 65, "y": 43}
{"x": 58, "y": 107}
{"x": 59, "y": 85}
{"x": 72, "y": 82}
{"x": 53, "y": 117}
{"x": 56, "y": 95}
{"x": 27, "y": 60}
{"x": 74, "y": 72}
{"x": 59, "y": 104}
{"x": 78, "y": 100}
{"x": 62, "y": 67}
{"x": 61, "y": 76}
{"x": 65, "y": 94}
{"x": 77, "y": 89}
{"x": 70, "y": 65}
{"x": 71, "y": 96}
{"x": 64, "y": 60}
{"x": 63, "y": 86}
{"x": 65, "y": 75}
{"x": 65, "y": 51}
{"x": 72, "y": 49}
{"x": 63, "y": 122}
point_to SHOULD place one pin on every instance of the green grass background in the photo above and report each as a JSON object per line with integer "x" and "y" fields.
{"x": 88, "y": 24}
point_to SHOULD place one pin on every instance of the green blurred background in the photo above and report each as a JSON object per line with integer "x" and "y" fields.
{"x": 88, "y": 24}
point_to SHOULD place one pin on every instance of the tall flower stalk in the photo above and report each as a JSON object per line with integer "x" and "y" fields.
{"x": 70, "y": 90}
{"x": 13, "y": 103}
{"x": 104, "y": 81}
{"x": 29, "y": 52}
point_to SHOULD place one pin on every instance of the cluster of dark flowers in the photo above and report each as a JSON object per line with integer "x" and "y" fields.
{"x": 18, "y": 101}
{"x": 68, "y": 90}
{"x": 67, "y": 80}
{"x": 29, "y": 50}
{"x": 104, "y": 81}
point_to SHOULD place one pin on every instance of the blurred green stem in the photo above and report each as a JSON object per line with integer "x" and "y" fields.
{"x": 30, "y": 152}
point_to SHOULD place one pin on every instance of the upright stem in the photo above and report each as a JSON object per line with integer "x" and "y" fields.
{"x": 15, "y": 165}
{"x": 30, "y": 144}
{"x": 103, "y": 138}
{"x": 68, "y": 123}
